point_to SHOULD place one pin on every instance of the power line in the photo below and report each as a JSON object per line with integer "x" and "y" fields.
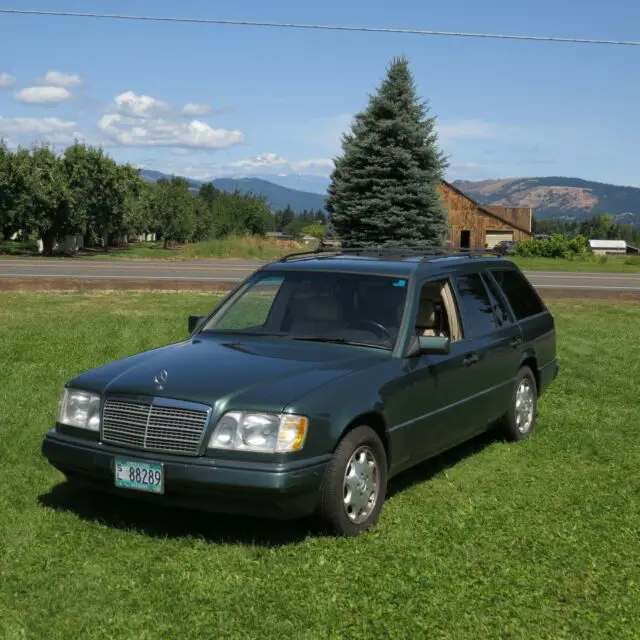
{"x": 322, "y": 27}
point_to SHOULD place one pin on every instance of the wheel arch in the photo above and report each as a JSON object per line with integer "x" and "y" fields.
{"x": 529, "y": 360}
{"x": 375, "y": 420}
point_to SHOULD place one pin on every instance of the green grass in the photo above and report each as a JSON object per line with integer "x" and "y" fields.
{"x": 600, "y": 264}
{"x": 248, "y": 248}
{"x": 536, "y": 540}
{"x": 232, "y": 247}
{"x": 17, "y": 248}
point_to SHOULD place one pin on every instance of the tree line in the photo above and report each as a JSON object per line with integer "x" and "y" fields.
{"x": 600, "y": 227}
{"x": 83, "y": 191}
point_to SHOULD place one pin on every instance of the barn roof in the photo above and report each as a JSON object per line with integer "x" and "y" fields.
{"x": 608, "y": 244}
{"x": 486, "y": 211}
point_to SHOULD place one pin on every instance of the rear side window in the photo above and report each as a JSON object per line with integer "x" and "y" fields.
{"x": 475, "y": 306}
{"x": 521, "y": 296}
{"x": 502, "y": 314}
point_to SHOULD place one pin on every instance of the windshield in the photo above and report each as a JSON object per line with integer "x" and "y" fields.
{"x": 323, "y": 307}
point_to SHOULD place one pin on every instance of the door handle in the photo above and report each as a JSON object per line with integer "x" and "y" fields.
{"x": 470, "y": 359}
{"x": 515, "y": 342}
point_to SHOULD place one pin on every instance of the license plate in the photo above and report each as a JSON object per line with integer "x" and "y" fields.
{"x": 139, "y": 476}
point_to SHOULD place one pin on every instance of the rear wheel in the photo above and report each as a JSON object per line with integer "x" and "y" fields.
{"x": 520, "y": 419}
{"x": 355, "y": 483}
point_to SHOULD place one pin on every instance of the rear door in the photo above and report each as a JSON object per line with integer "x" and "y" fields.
{"x": 532, "y": 317}
{"x": 508, "y": 346}
{"x": 489, "y": 352}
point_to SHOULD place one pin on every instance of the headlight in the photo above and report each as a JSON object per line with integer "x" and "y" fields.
{"x": 79, "y": 409}
{"x": 265, "y": 432}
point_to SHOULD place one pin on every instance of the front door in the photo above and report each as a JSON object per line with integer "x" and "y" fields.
{"x": 429, "y": 402}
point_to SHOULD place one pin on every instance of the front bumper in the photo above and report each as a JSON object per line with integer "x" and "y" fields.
{"x": 207, "y": 484}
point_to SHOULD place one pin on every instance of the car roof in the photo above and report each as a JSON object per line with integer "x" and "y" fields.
{"x": 392, "y": 262}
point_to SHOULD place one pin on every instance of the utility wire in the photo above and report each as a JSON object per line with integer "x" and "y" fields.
{"x": 322, "y": 27}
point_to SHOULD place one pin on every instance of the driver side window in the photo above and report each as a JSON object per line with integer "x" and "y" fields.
{"x": 437, "y": 314}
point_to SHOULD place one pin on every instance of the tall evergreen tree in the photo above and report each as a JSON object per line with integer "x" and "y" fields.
{"x": 383, "y": 189}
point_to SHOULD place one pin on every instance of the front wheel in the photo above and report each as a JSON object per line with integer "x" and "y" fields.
{"x": 355, "y": 483}
{"x": 520, "y": 419}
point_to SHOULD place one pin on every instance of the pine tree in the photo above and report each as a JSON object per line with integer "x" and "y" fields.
{"x": 383, "y": 189}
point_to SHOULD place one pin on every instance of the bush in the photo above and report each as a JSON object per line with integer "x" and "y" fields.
{"x": 556, "y": 246}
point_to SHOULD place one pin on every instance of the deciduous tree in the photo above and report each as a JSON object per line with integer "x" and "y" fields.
{"x": 47, "y": 205}
{"x": 173, "y": 210}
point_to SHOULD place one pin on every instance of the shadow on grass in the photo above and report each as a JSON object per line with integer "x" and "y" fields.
{"x": 429, "y": 469}
{"x": 172, "y": 522}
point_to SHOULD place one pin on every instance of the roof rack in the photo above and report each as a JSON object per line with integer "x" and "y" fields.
{"x": 400, "y": 251}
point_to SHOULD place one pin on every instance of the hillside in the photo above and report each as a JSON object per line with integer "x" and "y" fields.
{"x": 555, "y": 197}
{"x": 277, "y": 196}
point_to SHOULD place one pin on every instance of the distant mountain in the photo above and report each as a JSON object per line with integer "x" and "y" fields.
{"x": 277, "y": 196}
{"x": 152, "y": 175}
{"x": 554, "y": 197}
{"x": 314, "y": 184}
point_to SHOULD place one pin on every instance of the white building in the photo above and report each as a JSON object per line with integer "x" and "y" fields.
{"x": 70, "y": 244}
{"x": 603, "y": 247}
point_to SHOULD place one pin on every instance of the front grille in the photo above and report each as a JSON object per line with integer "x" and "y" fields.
{"x": 155, "y": 426}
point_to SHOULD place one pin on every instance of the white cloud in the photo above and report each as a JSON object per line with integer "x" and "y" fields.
{"x": 160, "y": 132}
{"x": 261, "y": 162}
{"x": 6, "y": 80}
{"x": 315, "y": 167}
{"x": 141, "y": 106}
{"x": 195, "y": 110}
{"x": 474, "y": 129}
{"x": 271, "y": 163}
{"x": 43, "y": 95}
{"x": 60, "y": 79}
{"x": 51, "y": 130}
{"x": 264, "y": 164}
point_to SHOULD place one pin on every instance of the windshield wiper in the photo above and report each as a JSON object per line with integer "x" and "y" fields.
{"x": 240, "y": 332}
{"x": 339, "y": 341}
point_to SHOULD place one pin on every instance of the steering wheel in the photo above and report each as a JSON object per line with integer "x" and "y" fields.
{"x": 380, "y": 331}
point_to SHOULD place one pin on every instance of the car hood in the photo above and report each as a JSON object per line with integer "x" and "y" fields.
{"x": 254, "y": 373}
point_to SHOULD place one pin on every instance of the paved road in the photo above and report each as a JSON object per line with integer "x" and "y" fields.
{"x": 221, "y": 271}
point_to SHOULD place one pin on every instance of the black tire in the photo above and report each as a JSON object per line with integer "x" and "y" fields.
{"x": 510, "y": 427}
{"x": 331, "y": 505}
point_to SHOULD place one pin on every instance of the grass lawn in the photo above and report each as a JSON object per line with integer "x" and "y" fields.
{"x": 600, "y": 264}
{"x": 536, "y": 540}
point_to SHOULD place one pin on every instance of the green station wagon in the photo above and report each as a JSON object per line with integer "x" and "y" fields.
{"x": 310, "y": 385}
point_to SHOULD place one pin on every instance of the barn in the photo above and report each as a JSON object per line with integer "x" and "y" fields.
{"x": 613, "y": 247}
{"x": 478, "y": 226}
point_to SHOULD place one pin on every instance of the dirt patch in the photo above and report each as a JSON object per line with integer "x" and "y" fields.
{"x": 588, "y": 294}
{"x": 73, "y": 284}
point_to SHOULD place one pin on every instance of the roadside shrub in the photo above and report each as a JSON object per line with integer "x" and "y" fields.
{"x": 556, "y": 246}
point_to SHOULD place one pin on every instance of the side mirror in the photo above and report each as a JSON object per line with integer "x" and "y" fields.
{"x": 428, "y": 345}
{"x": 435, "y": 345}
{"x": 193, "y": 322}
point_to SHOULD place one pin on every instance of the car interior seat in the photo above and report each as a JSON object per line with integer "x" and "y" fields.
{"x": 318, "y": 316}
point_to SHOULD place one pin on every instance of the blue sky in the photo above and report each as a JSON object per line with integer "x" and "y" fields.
{"x": 269, "y": 101}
